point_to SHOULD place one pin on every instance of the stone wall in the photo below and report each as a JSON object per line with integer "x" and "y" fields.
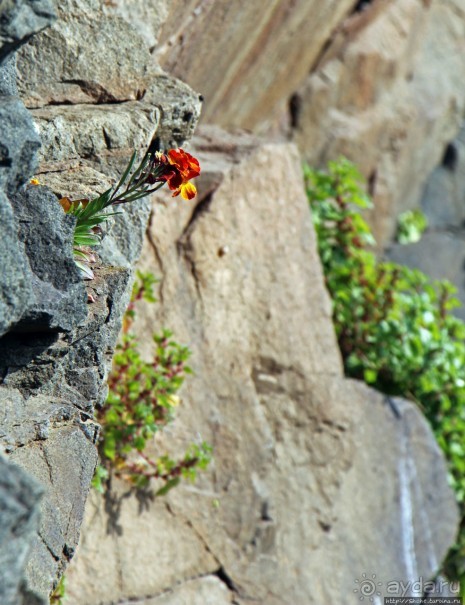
{"x": 316, "y": 479}
{"x": 57, "y": 335}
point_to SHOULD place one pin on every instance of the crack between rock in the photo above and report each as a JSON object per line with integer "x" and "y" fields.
{"x": 193, "y": 270}
{"x": 94, "y": 91}
{"x": 106, "y": 138}
{"x": 184, "y": 245}
{"x": 49, "y": 467}
{"x": 220, "y": 573}
{"x": 200, "y": 208}
{"x": 53, "y": 555}
{"x": 165, "y": 591}
{"x": 189, "y": 524}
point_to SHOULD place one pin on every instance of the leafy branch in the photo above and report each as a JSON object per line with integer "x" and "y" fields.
{"x": 141, "y": 401}
{"x": 394, "y": 325}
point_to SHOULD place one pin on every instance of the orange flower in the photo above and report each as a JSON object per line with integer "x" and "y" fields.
{"x": 184, "y": 167}
{"x": 187, "y": 165}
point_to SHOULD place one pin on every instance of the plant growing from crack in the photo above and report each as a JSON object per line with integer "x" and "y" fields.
{"x": 394, "y": 325}
{"x": 141, "y": 401}
{"x": 175, "y": 168}
{"x": 58, "y": 596}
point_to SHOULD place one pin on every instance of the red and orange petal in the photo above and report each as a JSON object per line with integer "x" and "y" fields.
{"x": 174, "y": 179}
{"x": 187, "y": 165}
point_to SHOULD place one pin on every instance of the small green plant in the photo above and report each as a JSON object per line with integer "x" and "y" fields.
{"x": 176, "y": 168}
{"x": 141, "y": 401}
{"x": 394, "y": 325}
{"x": 411, "y": 225}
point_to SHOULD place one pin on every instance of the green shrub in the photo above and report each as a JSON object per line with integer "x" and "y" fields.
{"x": 393, "y": 324}
{"x": 141, "y": 401}
{"x": 410, "y": 226}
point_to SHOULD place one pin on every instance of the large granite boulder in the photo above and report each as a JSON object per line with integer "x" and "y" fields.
{"x": 316, "y": 479}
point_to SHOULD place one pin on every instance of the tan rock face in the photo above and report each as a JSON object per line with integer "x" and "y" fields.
{"x": 245, "y": 57}
{"x": 316, "y": 479}
{"x": 95, "y": 59}
{"x": 387, "y": 94}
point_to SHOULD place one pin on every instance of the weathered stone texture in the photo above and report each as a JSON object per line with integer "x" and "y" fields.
{"x": 19, "y": 513}
{"x": 389, "y": 96}
{"x": 87, "y": 131}
{"x": 85, "y": 57}
{"x": 19, "y": 20}
{"x": 15, "y": 287}
{"x": 245, "y": 58}
{"x": 379, "y": 82}
{"x": 316, "y": 478}
{"x": 19, "y": 144}
{"x": 441, "y": 251}
{"x": 59, "y": 299}
{"x": 50, "y": 385}
{"x": 146, "y": 16}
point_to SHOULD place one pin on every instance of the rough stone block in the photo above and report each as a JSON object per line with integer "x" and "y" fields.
{"x": 20, "y": 496}
{"x": 15, "y": 285}
{"x": 84, "y": 131}
{"x": 19, "y": 144}
{"x": 97, "y": 59}
{"x": 60, "y": 300}
{"x": 19, "y": 20}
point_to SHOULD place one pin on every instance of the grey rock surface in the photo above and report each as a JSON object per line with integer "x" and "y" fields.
{"x": 59, "y": 296}
{"x": 19, "y": 513}
{"x": 19, "y": 20}
{"x": 19, "y": 144}
{"x": 316, "y": 479}
{"x": 439, "y": 254}
{"x": 50, "y": 384}
{"x": 55, "y": 349}
{"x": 443, "y": 199}
{"x": 8, "y": 77}
{"x": 441, "y": 251}
{"x": 15, "y": 285}
{"x": 181, "y": 108}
